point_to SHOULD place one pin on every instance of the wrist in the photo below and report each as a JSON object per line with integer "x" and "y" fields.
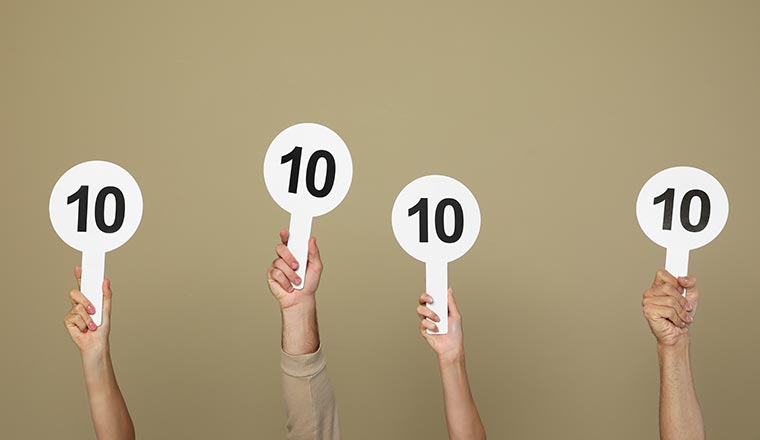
{"x": 675, "y": 353}
{"x": 94, "y": 362}
{"x": 95, "y": 354}
{"x": 300, "y": 330}
{"x": 304, "y": 306}
{"x": 454, "y": 359}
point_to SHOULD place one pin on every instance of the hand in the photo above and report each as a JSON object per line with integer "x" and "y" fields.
{"x": 89, "y": 338}
{"x": 667, "y": 311}
{"x": 281, "y": 274}
{"x": 448, "y": 347}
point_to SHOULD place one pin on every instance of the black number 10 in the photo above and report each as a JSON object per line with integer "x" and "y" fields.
{"x": 311, "y": 171}
{"x": 667, "y": 219}
{"x": 100, "y": 208}
{"x": 422, "y": 208}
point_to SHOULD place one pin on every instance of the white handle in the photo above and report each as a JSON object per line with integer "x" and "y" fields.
{"x": 677, "y": 262}
{"x": 298, "y": 244}
{"x": 93, "y": 273}
{"x": 436, "y": 285}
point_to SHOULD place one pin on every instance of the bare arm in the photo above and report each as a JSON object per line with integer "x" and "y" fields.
{"x": 107, "y": 406}
{"x": 462, "y": 418}
{"x": 669, "y": 315}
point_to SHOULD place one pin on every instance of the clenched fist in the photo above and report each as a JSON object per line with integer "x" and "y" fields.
{"x": 668, "y": 311}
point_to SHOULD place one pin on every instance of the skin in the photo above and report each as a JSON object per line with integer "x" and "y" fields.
{"x": 462, "y": 418}
{"x": 669, "y": 315}
{"x": 300, "y": 329}
{"x": 107, "y": 407}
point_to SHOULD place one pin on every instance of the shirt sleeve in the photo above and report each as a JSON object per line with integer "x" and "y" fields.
{"x": 309, "y": 399}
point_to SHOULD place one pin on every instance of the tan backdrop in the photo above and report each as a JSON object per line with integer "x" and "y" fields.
{"x": 553, "y": 114}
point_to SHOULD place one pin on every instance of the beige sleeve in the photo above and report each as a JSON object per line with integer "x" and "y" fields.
{"x": 309, "y": 400}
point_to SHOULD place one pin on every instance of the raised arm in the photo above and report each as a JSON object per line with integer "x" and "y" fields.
{"x": 309, "y": 399}
{"x": 462, "y": 418}
{"x": 107, "y": 407}
{"x": 669, "y": 315}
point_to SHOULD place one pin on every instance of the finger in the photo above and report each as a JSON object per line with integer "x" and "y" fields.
{"x": 284, "y": 235}
{"x": 107, "y": 294}
{"x": 288, "y": 272}
{"x": 277, "y": 289}
{"x": 424, "y": 312}
{"x": 665, "y": 290}
{"x": 314, "y": 257}
{"x": 78, "y": 276}
{"x": 664, "y": 277}
{"x": 278, "y": 278}
{"x": 673, "y": 303}
{"x": 77, "y": 297}
{"x": 689, "y": 283}
{"x": 425, "y": 299}
{"x": 428, "y": 325}
{"x": 74, "y": 320}
{"x": 80, "y": 310}
{"x": 656, "y": 313}
{"x": 284, "y": 253}
{"x": 453, "y": 309}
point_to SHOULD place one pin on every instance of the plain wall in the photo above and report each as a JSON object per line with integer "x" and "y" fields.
{"x": 553, "y": 113}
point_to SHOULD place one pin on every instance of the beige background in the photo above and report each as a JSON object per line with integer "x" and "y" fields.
{"x": 553, "y": 114}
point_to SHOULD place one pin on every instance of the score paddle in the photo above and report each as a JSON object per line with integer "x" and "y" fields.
{"x": 307, "y": 171}
{"x": 436, "y": 219}
{"x": 95, "y": 207}
{"x": 680, "y": 209}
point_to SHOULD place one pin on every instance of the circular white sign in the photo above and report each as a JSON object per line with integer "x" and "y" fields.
{"x": 682, "y": 208}
{"x": 436, "y": 218}
{"x": 308, "y": 169}
{"x": 96, "y": 206}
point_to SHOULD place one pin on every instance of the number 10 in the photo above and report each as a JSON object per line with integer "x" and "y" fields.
{"x": 668, "y": 197}
{"x": 422, "y": 208}
{"x": 100, "y": 208}
{"x": 311, "y": 171}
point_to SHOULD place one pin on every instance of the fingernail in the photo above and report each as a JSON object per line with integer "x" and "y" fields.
{"x": 689, "y": 318}
{"x": 90, "y": 309}
{"x": 689, "y": 307}
{"x": 92, "y": 326}
{"x": 436, "y": 318}
{"x": 290, "y": 289}
{"x": 298, "y": 280}
{"x": 294, "y": 265}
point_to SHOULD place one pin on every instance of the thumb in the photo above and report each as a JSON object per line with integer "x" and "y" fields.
{"x": 314, "y": 257}
{"x": 107, "y": 293}
{"x": 689, "y": 283}
{"x": 453, "y": 309}
{"x": 78, "y": 276}
{"x": 284, "y": 236}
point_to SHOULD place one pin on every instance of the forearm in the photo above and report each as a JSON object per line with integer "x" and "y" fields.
{"x": 309, "y": 399}
{"x": 107, "y": 407}
{"x": 300, "y": 330}
{"x": 680, "y": 414}
{"x": 462, "y": 418}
